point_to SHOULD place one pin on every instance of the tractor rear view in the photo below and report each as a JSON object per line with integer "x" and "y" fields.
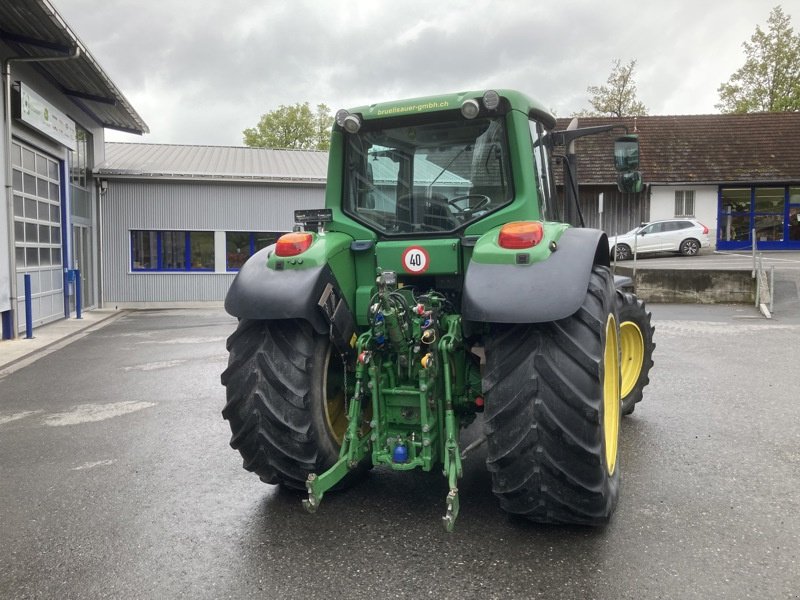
{"x": 437, "y": 285}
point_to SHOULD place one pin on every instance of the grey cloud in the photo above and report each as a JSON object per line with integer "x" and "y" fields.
{"x": 202, "y": 72}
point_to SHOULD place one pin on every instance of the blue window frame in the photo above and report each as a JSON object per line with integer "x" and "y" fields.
{"x": 771, "y": 211}
{"x": 241, "y": 245}
{"x": 172, "y": 251}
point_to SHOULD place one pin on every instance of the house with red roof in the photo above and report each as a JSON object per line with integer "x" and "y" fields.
{"x": 738, "y": 174}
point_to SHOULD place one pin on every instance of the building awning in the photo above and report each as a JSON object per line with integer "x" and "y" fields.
{"x": 33, "y": 28}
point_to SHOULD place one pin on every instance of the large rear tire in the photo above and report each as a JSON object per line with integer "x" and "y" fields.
{"x": 285, "y": 400}
{"x": 552, "y": 412}
{"x": 636, "y": 348}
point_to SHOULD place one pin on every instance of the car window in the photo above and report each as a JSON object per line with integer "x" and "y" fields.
{"x": 654, "y": 228}
{"x": 686, "y": 225}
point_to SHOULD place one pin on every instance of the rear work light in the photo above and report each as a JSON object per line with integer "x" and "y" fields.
{"x": 292, "y": 244}
{"x": 520, "y": 234}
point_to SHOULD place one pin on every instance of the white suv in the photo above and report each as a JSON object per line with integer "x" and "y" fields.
{"x": 686, "y": 236}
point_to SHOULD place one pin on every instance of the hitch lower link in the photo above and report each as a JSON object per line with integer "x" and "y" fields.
{"x": 358, "y": 445}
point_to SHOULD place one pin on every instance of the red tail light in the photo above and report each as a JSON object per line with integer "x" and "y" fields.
{"x": 705, "y": 229}
{"x": 292, "y": 244}
{"x": 520, "y": 234}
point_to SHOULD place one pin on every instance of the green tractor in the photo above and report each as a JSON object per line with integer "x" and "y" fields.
{"x": 439, "y": 285}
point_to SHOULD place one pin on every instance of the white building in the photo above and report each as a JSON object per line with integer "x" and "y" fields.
{"x": 736, "y": 173}
{"x": 178, "y": 221}
{"x": 57, "y": 103}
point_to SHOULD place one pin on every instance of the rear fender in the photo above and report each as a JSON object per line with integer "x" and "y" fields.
{"x": 260, "y": 292}
{"x": 544, "y": 291}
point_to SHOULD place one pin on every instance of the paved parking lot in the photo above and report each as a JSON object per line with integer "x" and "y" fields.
{"x": 118, "y": 482}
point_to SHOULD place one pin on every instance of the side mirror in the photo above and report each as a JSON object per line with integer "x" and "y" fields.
{"x": 630, "y": 182}
{"x": 626, "y": 153}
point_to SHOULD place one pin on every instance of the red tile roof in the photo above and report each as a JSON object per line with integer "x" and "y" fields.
{"x": 713, "y": 149}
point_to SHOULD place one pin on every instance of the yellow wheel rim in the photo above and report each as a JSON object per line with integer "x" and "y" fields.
{"x": 335, "y": 413}
{"x": 631, "y": 344}
{"x": 611, "y": 399}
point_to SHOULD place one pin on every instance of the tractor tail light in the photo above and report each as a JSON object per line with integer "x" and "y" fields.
{"x": 292, "y": 244}
{"x": 520, "y": 234}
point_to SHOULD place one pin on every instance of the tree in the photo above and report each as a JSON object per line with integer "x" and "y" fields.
{"x": 769, "y": 80}
{"x": 294, "y": 127}
{"x": 618, "y": 97}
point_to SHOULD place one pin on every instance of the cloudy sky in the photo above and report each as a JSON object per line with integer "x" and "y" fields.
{"x": 201, "y": 72}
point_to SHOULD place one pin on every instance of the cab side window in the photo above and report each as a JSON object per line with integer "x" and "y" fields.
{"x": 544, "y": 174}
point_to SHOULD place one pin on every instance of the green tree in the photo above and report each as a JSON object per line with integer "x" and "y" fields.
{"x": 618, "y": 97}
{"x": 294, "y": 127}
{"x": 769, "y": 80}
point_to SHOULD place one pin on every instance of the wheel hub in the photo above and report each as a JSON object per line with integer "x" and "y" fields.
{"x": 611, "y": 397}
{"x": 632, "y": 349}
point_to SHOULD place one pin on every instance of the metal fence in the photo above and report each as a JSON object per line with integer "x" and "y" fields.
{"x": 765, "y": 289}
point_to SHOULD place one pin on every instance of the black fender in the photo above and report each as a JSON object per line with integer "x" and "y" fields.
{"x": 540, "y": 292}
{"x": 258, "y": 292}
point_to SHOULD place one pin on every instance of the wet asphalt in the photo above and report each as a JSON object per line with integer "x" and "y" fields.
{"x": 117, "y": 481}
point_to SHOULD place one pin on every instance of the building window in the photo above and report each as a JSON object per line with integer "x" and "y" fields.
{"x": 241, "y": 245}
{"x": 144, "y": 250}
{"x": 172, "y": 250}
{"x": 79, "y": 160}
{"x": 766, "y": 212}
{"x": 684, "y": 203}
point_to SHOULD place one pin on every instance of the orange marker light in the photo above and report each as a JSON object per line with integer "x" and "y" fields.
{"x": 520, "y": 234}
{"x": 292, "y": 244}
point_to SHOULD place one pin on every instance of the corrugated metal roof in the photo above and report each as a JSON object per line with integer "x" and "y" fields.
{"x": 33, "y": 28}
{"x": 384, "y": 172}
{"x": 172, "y": 161}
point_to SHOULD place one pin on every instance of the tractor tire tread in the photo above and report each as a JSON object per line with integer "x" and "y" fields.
{"x": 633, "y": 309}
{"x": 543, "y": 414}
{"x": 268, "y": 400}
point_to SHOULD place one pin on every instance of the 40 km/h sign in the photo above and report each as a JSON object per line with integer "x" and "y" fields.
{"x": 416, "y": 259}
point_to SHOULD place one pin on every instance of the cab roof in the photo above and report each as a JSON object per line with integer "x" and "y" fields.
{"x": 427, "y": 104}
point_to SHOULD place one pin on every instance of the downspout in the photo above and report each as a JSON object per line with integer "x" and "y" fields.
{"x": 76, "y": 52}
{"x": 102, "y": 189}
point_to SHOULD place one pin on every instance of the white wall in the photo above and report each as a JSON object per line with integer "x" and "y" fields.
{"x": 27, "y": 74}
{"x": 662, "y": 205}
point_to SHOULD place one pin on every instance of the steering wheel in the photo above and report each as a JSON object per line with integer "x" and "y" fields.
{"x": 484, "y": 200}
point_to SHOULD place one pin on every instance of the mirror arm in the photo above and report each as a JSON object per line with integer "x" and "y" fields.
{"x": 565, "y": 137}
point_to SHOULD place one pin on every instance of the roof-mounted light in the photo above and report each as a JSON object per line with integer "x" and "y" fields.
{"x": 341, "y": 115}
{"x": 347, "y": 121}
{"x": 491, "y": 99}
{"x": 470, "y": 108}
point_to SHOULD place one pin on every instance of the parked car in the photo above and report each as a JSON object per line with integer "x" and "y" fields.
{"x": 686, "y": 236}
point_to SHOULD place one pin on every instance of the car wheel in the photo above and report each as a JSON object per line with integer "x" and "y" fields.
{"x": 623, "y": 251}
{"x": 689, "y": 247}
